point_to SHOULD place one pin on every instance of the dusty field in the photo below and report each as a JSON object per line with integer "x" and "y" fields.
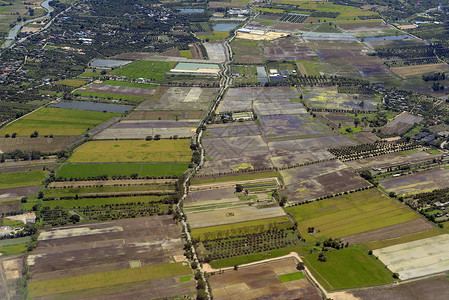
{"x": 247, "y": 52}
{"x": 232, "y": 130}
{"x": 76, "y": 250}
{"x": 428, "y": 289}
{"x": 180, "y": 99}
{"x": 140, "y": 129}
{"x": 4, "y": 169}
{"x": 10, "y": 273}
{"x": 401, "y": 123}
{"x": 164, "y": 115}
{"x": 262, "y": 282}
{"x": 310, "y": 182}
{"x": 422, "y": 182}
{"x": 232, "y": 215}
{"x": 116, "y": 90}
{"x": 390, "y": 232}
{"x": 215, "y": 51}
{"x": 289, "y": 48}
{"x": 133, "y": 55}
{"x": 42, "y": 144}
{"x": 18, "y": 192}
{"x": 266, "y": 101}
{"x": 215, "y": 196}
{"x": 285, "y": 26}
{"x": 268, "y": 36}
{"x": 419, "y": 70}
{"x": 391, "y": 159}
{"x": 418, "y": 258}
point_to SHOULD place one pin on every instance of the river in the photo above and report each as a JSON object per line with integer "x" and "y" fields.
{"x": 16, "y": 29}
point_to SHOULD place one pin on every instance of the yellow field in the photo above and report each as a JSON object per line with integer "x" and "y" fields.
{"x": 133, "y": 151}
{"x": 419, "y": 70}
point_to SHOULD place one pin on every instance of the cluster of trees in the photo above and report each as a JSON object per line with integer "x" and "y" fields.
{"x": 434, "y": 77}
{"x": 21, "y": 155}
{"x": 372, "y": 149}
{"x": 408, "y": 51}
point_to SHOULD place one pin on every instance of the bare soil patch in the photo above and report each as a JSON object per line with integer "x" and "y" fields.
{"x": 419, "y": 70}
{"x": 165, "y": 115}
{"x": 117, "y": 90}
{"x": 18, "y": 192}
{"x": 133, "y": 56}
{"x": 401, "y": 123}
{"x": 289, "y": 48}
{"x": 42, "y": 144}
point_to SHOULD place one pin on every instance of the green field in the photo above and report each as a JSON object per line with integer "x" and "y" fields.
{"x": 186, "y": 53}
{"x": 64, "y": 192}
{"x": 91, "y": 74}
{"x": 349, "y": 214}
{"x": 108, "y": 96}
{"x": 19, "y": 179}
{"x": 142, "y": 169}
{"x": 291, "y": 276}
{"x": 133, "y": 151}
{"x": 154, "y": 70}
{"x": 100, "y": 201}
{"x": 215, "y": 36}
{"x": 105, "y": 279}
{"x": 130, "y": 84}
{"x": 13, "y": 249}
{"x": 348, "y": 268}
{"x": 242, "y": 228}
{"x": 246, "y": 259}
{"x": 57, "y": 121}
{"x": 13, "y": 242}
{"x": 404, "y": 239}
{"x": 72, "y": 82}
{"x": 242, "y": 177}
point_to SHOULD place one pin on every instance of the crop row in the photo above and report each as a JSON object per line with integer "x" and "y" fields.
{"x": 370, "y": 150}
{"x": 412, "y": 62}
{"x": 293, "y": 18}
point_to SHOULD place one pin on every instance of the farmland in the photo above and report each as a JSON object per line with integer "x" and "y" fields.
{"x": 349, "y": 214}
{"x": 20, "y": 179}
{"x": 130, "y": 268}
{"x": 56, "y": 121}
{"x": 348, "y": 268}
{"x": 154, "y": 70}
{"x": 133, "y": 151}
{"x": 264, "y": 280}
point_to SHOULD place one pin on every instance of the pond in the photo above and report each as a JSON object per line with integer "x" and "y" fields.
{"x": 191, "y": 10}
{"x": 387, "y": 38}
{"x": 109, "y": 63}
{"x": 225, "y": 26}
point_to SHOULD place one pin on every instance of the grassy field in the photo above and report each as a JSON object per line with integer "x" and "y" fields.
{"x": 142, "y": 169}
{"x": 133, "y": 151}
{"x": 72, "y": 82}
{"x": 105, "y": 189}
{"x": 235, "y": 178}
{"x": 105, "y": 279}
{"x": 245, "y": 259}
{"x": 404, "y": 239}
{"x": 18, "y": 179}
{"x": 215, "y": 36}
{"x": 57, "y": 121}
{"x": 13, "y": 249}
{"x": 348, "y": 268}
{"x": 236, "y": 229}
{"x": 108, "y": 96}
{"x": 13, "y": 242}
{"x": 313, "y": 68}
{"x": 349, "y": 214}
{"x": 91, "y": 74}
{"x": 154, "y": 70}
{"x": 100, "y": 201}
{"x": 186, "y": 53}
{"x": 130, "y": 84}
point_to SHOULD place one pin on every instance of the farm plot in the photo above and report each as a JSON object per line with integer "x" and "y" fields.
{"x": 235, "y": 153}
{"x": 10, "y": 273}
{"x": 165, "y": 115}
{"x": 329, "y": 98}
{"x": 43, "y": 144}
{"x": 133, "y": 151}
{"x": 181, "y": 99}
{"x": 18, "y": 191}
{"x": 113, "y": 170}
{"x": 232, "y": 215}
{"x": 419, "y": 70}
{"x": 265, "y": 101}
{"x": 289, "y": 48}
{"x": 140, "y": 129}
{"x": 367, "y": 28}
{"x": 418, "y": 258}
{"x": 84, "y": 105}
{"x": 212, "y": 197}
{"x": 421, "y": 182}
{"x": 401, "y": 123}
{"x": 348, "y": 268}
{"x": 319, "y": 180}
{"x": 126, "y": 258}
{"x": 196, "y": 69}
{"x": 247, "y": 51}
{"x": 436, "y": 288}
{"x": 100, "y": 89}
{"x": 278, "y": 127}
{"x": 232, "y": 130}
{"x": 56, "y": 121}
{"x": 20, "y": 179}
{"x": 392, "y": 159}
{"x": 215, "y": 51}
{"x": 154, "y": 70}
{"x": 350, "y": 214}
{"x": 266, "y": 280}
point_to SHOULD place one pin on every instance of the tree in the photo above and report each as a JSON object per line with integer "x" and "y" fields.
{"x": 322, "y": 257}
{"x": 157, "y": 137}
{"x": 149, "y": 138}
{"x": 14, "y": 134}
{"x": 40, "y": 195}
{"x": 238, "y": 188}
{"x": 74, "y": 218}
{"x": 236, "y": 267}
{"x": 201, "y": 295}
{"x": 300, "y": 266}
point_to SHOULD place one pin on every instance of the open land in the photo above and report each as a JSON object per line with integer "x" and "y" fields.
{"x": 10, "y": 274}
{"x": 263, "y": 281}
{"x": 56, "y": 121}
{"x": 419, "y": 70}
{"x": 418, "y": 258}
{"x": 353, "y": 213}
{"x": 401, "y": 123}
{"x": 125, "y": 258}
{"x": 43, "y": 144}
